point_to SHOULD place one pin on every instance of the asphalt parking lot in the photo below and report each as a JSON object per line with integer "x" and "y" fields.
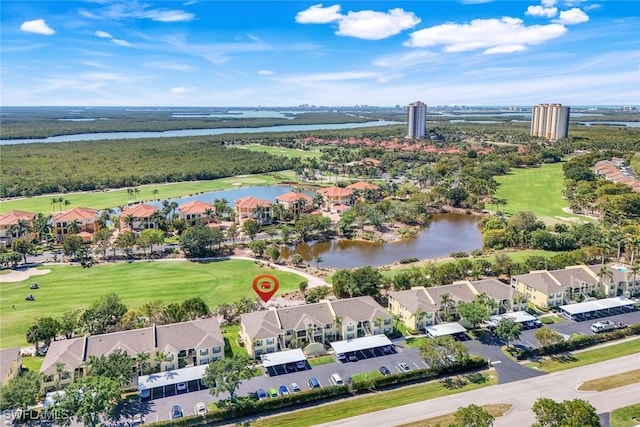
{"x": 508, "y": 370}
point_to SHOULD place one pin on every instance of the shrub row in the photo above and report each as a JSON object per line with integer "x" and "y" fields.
{"x": 580, "y": 342}
{"x": 248, "y": 406}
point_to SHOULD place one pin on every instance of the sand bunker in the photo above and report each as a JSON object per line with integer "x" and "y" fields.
{"x": 20, "y": 275}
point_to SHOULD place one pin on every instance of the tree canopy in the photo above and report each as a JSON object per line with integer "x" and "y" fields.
{"x": 226, "y": 375}
{"x": 355, "y": 283}
{"x": 20, "y": 392}
{"x": 568, "y": 413}
{"x": 90, "y": 400}
{"x": 443, "y": 352}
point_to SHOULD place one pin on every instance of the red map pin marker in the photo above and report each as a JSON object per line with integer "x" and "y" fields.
{"x": 265, "y": 286}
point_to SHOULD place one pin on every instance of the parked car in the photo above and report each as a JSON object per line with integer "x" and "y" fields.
{"x": 353, "y": 358}
{"x": 261, "y": 394}
{"x": 201, "y": 408}
{"x": 176, "y": 412}
{"x": 137, "y": 419}
{"x": 273, "y": 392}
{"x": 404, "y": 367}
{"x": 384, "y": 370}
{"x": 341, "y": 357}
{"x": 301, "y": 365}
{"x": 283, "y": 390}
{"x": 181, "y": 387}
{"x": 386, "y": 349}
{"x": 314, "y": 383}
{"x": 335, "y": 378}
{"x": 295, "y": 387}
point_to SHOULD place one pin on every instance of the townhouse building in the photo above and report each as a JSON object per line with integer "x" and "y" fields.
{"x": 165, "y": 347}
{"x": 252, "y": 208}
{"x": 296, "y": 203}
{"x": 197, "y": 212}
{"x": 10, "y": 364}
{"x": 80, "y": 221}
{"x": 14, "y": 224}
{"x": 324, "y": 322}
{"x": 138, "y": 217}
{"x": 337, "y": 198}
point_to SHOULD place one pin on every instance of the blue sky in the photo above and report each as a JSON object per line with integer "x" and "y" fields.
{"x": 284, "y": 53}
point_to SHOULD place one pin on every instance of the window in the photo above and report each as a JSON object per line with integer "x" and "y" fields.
{"x": 258, "y": 352}
{"x": 217, "y": 358}
{"x": 258, "y": 343}
{"x": 204, "y": 361}
{"x": 270, "y": 350}
{"x": 289, "y": 332}
{"x": 169, "y": 357}
{"x": 387, "y": 321}
{"x": 270, "y": 341}
{"x": 204, "y": 351}
{"x": 349, "y": 327}
{"x": 169, "y": 367}
{"x": 48, "y": 378}
{"x": 217, "y": 349}
{"x": 327, "y": 326}
{"x": 349, "y": 336}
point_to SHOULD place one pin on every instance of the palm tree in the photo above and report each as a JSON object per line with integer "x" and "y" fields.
{"x": 317, "y": 259}
{"x": 74, "y": 227}
{"x": 155, "y": 193}
{"x": 257, "y": 213}
{"x": 41, "y": 225}
{"x": 635, "y": 269}
{"x": 634, "y": 245}
{"x": 66, "y": 202}
{"x": 209, "y": 213}
{"x": 130, "y": 193}
{"x": 129, "y": 220}
{"x": 446, "y": 302}
{"x": 604, "y": 272}
{"x": 142, "y": 362}
{"x": 54, "y": 200}
{"x": 318, "y": 200}
{"x": 136, "y": 193}
{"x": 60, "y": 202}
{"x": 420, "y": 313}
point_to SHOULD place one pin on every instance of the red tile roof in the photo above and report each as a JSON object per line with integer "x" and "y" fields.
{"x": 336, "y": 192}
{"x": 362, "y": 185}
{"x": 196, "y": 207}
{"x": 250, "y": 202}
{"x": 294, "y": 197}
{"x": 76, "y": 214}
{"x": 139, "y": 211}
{"x": 12, "y": 217}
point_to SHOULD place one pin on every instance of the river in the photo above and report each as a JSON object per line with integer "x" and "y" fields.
{"x": 446, "y": 233}
{"x": 196, "y": 132}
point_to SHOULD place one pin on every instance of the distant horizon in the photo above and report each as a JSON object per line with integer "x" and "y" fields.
{"x": 282, "y": 53}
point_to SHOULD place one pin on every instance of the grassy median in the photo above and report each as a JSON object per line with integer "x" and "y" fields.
{"x": 612, "y": 381}
{"x": 495, "y": 409}
{"x": 628, "y": 416}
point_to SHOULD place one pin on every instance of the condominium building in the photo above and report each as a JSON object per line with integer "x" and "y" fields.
{"x": 550, "y": 121}
{"x": 416, "y": 120}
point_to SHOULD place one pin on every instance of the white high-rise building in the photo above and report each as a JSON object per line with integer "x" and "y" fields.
{"x": 417, "y": 120}
{"x": 550, "y": 121}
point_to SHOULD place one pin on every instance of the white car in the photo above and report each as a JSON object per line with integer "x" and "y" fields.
{"x": 182, "y": 387}
{"x": 201, "y": 408}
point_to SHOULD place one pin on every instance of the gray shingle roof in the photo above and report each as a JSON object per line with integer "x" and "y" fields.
{"x": 202, "y": 333}
{"x": 261, "y": 324}
{"x": 414, "y": 299}
{"x": 300, "y": 317}
{"x": 458, "y": 291}
{"x": 132, "y": 342}
{"x": 7, "y": 357}
{"x": 69, "y": 352}
{"x": 573, "y": 276}
{"x": 495, "y": 289}
{"x": 359, "y": 309}
{"x": 539, "y": 280}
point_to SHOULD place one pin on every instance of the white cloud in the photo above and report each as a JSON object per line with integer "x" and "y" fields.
{"x": 494, "y": 35}
{"x": 572, "y": 17}
{"x": 546, "y": 12}
{"x": 372, "y": 25}
{"x": 37, "y": 26}
{"x": 168, "y": 15}
{"x": 121, "y": 42}
{"x": 169, "y": 65}
{"x": 180, "y": 89}
{"x": 96, "y": 76}
{"x": 103, "y": 35}
{"x": 265, "y": 72}
{"x": 317, "y": 14}
{"x": 548, "y": 3}
{"x": 333, "y": 77}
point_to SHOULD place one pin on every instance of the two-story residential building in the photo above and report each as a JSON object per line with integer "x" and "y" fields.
{"x": 618, "y": 279}
{"x": 167, "y": 347}
{"x": 364, "y": 190}
{"x": 296, "y": 203}
{"x": 81, "y": 221}
{"x": 14, "y": 224}
{"x": 336, "y": 197}
{"x": 539, "y": 287}
{"x": 414, "y": 307}
{"x": 252, "y": 208}
{"x": 10, "y": 364}
{"x": 324, "y": 322}
{"x": 419, "y": 307}
{"x": 197, "y": 212}
{"x": 138, "y": 217}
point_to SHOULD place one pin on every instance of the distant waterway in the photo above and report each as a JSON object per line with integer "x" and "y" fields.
{"x": 621, "y": 124}
{"x": 196, "y": 132}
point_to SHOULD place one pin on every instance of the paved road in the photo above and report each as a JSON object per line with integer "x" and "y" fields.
{"x": 521, "y": 394}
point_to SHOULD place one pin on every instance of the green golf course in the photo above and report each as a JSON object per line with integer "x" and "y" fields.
{"x": 68, "y": 287}
{"x": 538, "y": 190}
{"x": 113, "y": 198}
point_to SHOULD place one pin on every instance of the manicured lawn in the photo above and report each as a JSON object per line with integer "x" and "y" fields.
{"x": 321, "y": 360}
{"x": 562, "y": 362}
{"x": 282, "y": 151}
{"x": 538, "y": 190}
{"x": 113, "y": 198}
{"x": 73, "y": 287}
{"x": 364, "y": 376}
{"x": 376, "y": 402}
{"x": 612, "y": 381}
{"x": 625, "y": 417}
{"x": 231, "y": 334}
{"x": 32, "y": 363}
{"x": 495, "y": 409}
{"x": 415, "y": 342}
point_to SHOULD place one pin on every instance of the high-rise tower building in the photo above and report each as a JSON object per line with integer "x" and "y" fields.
{"x": 416, "y": 120}
{"x": 550, "y": 121}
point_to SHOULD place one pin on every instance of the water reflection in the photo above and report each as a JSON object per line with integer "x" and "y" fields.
{"x": 447, "y": 233}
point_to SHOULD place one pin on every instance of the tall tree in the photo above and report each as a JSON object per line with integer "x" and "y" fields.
{"x": 91, "y": 400}
{"x": 547, "y": 336}
{"x": 473, "y": 312}
{"x": 443, "y": 352}
{"x": 251, "y": 228}
{"x": 23, "y": 246}
{"x": 508, "y": 330}
{"x": 472, "y": 416}
{"x": 568, "y": 413}
{"x": 72, "y": 245}
{"x": 104, "y": 315}
{"x": 116, "y": 366}
{"x": 102, "y": 240}
{"x": 195, "y": 308}
{"x": 126, "y": 240}
{"x": 226, "y": 375}
{"x": 21, "y": 391}
{"x": 196, "y": 241}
